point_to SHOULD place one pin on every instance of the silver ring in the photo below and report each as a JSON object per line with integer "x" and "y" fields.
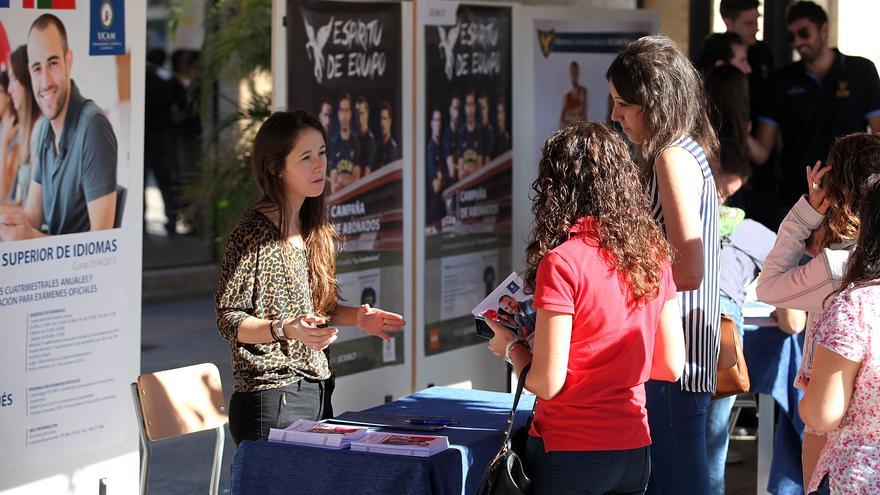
{"x": 814, "y": 185}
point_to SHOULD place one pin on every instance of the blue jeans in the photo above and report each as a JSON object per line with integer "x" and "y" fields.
{"x": 678, "y": 431}
{"x": 586, "y": 472}
{"x": 719, "y": 414}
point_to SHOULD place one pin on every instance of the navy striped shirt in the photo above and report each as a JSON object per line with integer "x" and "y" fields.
{"x": 700, "y": 308}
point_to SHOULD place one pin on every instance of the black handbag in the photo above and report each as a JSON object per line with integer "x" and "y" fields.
{"x": 506, "y": 474}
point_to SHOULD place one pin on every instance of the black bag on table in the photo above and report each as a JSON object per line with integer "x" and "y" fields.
{"x": 506, "y": 473}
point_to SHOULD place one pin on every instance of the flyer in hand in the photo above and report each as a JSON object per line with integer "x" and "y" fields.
{"x": 510, "y": 306}
{"x": 305, "y": 432}
{"x": 401, "y": 444}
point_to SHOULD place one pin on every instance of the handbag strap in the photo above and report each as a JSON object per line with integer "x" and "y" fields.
{"x": 520, "y": 383}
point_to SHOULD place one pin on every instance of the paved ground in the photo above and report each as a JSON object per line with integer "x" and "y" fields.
{"x": 184, "y": 332}
{"x": 179, "y": 334}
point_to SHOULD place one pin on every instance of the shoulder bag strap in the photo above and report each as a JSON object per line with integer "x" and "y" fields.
{"x": 521, "y": 382}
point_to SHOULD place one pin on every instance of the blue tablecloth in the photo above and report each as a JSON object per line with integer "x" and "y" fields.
{"x": 268, "y": 467}
{"x": 774, "y": 358}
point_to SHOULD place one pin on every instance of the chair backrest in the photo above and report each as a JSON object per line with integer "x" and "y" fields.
{"x": 121, "y": 192}
{"x": 182, "y": 400}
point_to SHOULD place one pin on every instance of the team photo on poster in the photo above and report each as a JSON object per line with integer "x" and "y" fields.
{"x": 468, "y": 168}
{"x": 345, "y": 68}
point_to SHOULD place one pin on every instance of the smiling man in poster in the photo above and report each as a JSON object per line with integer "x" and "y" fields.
{"x": 74, "y": 184}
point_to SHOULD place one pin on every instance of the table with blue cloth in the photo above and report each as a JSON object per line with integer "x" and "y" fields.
{"x": 773, "y": 358}
{"x": 269, "y": 467}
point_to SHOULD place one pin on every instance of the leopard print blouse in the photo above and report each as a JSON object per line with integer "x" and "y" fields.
{"x": 256, "y": 281}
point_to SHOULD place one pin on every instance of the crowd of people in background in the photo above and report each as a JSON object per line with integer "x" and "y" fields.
{"x": 736, "y": 205}
{"x": 632, "y": 259}
{"x": 172, "y": 129}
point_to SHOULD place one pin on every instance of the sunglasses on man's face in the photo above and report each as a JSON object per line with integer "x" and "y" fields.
{"x": 802, "y": 33}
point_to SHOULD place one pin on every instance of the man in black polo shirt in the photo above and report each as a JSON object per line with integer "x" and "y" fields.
{"x": 811, "y": 102}
{"x": 741, "y": 17}
{"x": 724, "y": 49}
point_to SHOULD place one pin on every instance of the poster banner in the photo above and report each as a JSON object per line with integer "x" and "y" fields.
{"x": 468, "y": 168}
{"x": 67, "y": 236}
{"x": 571, "y": 58}
{"x": 345, "y": 63}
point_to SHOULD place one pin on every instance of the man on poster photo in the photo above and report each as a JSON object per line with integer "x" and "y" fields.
{"x": 487, "y": 133}
{"x": 450, "y": 140}
{"x": 388, "y": 149}
{"x": 74, "y": 184}
{"x": 575, "y": 102}
{"x": 502, "y": 136}
{"x": 343, "y": 170}
{"x": 325, "y": 112}
{"x": 470, "y": 156}
{"x": 434, "y": 173}
{"x": 367, "y": 147}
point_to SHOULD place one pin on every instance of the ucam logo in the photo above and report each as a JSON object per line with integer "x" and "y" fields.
{"x": 107, "y": 15}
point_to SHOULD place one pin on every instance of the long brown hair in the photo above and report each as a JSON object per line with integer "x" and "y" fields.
{"x": 853, "y": 159}
{"x": 586, "y": 170}
{"x": 653, "y": 73}
{"x": 273, "y": 142}
{"x": 863, "y": 266}
{"x": 27, "y": 116}
{"x": 728, "y": 91}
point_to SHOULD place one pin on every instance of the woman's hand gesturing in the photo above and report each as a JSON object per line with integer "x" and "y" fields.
{"x": 305, "y": 329}
{"x": 377, "y": 322}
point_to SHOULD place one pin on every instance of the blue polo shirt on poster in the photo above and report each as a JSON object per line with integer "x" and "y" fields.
{"x": 83, "y": 169}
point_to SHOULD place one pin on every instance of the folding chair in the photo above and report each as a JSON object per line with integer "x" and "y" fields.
{"x": 177, "y": 402}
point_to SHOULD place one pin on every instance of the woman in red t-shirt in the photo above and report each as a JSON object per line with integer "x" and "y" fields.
{"x": 607, "y": 321}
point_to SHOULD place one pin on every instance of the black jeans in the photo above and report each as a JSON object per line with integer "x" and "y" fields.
{"x": 251, "y": 414}
{"x": 587, "y": 472}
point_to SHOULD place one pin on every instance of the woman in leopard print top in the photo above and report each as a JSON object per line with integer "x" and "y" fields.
{"x": 278, "y": 287}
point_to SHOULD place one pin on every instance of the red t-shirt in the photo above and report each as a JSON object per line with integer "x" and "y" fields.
{"x": 602, "y": 403}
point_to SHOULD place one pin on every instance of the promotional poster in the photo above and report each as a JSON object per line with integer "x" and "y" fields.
{"x": 345, "y": 68}
{"x": 571, "y": 59}
{"x": 69, "y": 217}
{"x": 468, "y": 168}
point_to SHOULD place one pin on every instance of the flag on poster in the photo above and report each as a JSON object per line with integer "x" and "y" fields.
{"x": 39, "y": 4}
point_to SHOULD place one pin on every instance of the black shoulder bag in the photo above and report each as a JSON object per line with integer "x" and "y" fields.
{"x": 506, "y": 474}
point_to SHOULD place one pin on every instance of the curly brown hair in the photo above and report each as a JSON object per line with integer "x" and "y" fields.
{"x": 586, "y": 171}
{"x": 853, "y": 159}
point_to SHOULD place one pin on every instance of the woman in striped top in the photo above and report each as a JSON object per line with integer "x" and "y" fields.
{"x": 660, "y": 104}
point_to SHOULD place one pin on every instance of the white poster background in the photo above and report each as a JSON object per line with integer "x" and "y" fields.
{"x": 462, "y": 282}
{"x": 62, "y": 362}
{"x": 352, "y": 286}
{"x": 552, "y": 80}
{"x": 71, "y": 323}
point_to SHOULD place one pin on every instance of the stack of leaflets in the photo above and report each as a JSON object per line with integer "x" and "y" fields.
{"x": 400, "y": 444}
{"x": 509, "y": 306}
{"x": 305, "y": 432}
